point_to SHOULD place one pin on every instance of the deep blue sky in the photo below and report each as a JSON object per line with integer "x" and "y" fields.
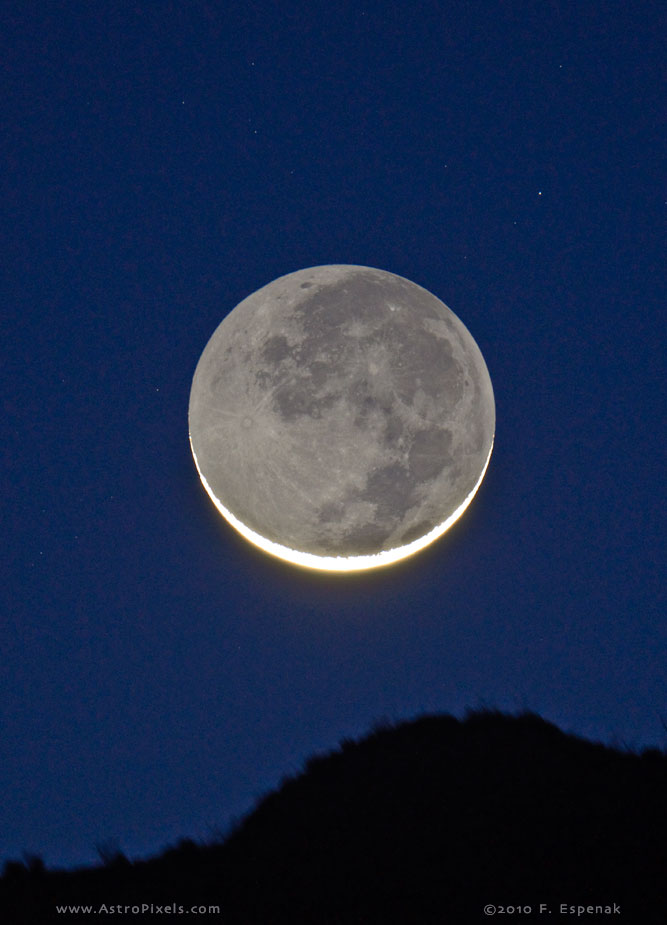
{"x": 163, "y": 160}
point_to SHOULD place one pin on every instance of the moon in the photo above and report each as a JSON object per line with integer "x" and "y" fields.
{"x": 341, "y": 417}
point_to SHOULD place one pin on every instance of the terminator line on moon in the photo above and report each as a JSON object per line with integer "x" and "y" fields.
{"x": 341, "y": 417}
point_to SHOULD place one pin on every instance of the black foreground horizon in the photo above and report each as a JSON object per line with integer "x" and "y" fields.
{"x": 432, "y": 820}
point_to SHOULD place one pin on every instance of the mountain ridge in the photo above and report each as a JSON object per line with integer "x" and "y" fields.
{"x": 426, "y": 820}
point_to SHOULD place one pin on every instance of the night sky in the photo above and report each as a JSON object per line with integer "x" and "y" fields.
{"x": 163, "y": 160}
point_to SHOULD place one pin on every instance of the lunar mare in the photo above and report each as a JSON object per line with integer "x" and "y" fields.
{"x": 341, "y": 417}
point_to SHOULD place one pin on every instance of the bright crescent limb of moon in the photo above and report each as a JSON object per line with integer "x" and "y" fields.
{"x": 341, "y": 563}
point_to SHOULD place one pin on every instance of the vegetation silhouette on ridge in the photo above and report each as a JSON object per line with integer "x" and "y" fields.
{"x": 422, "y": 821}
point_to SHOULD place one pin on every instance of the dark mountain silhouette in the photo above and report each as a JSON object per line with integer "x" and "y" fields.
{"x": 423, "y": 822}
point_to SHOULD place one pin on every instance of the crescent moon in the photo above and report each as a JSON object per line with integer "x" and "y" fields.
{"x": 341, "y": 417}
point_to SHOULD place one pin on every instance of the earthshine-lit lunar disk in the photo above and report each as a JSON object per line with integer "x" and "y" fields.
{"x": 341, "y": 417}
